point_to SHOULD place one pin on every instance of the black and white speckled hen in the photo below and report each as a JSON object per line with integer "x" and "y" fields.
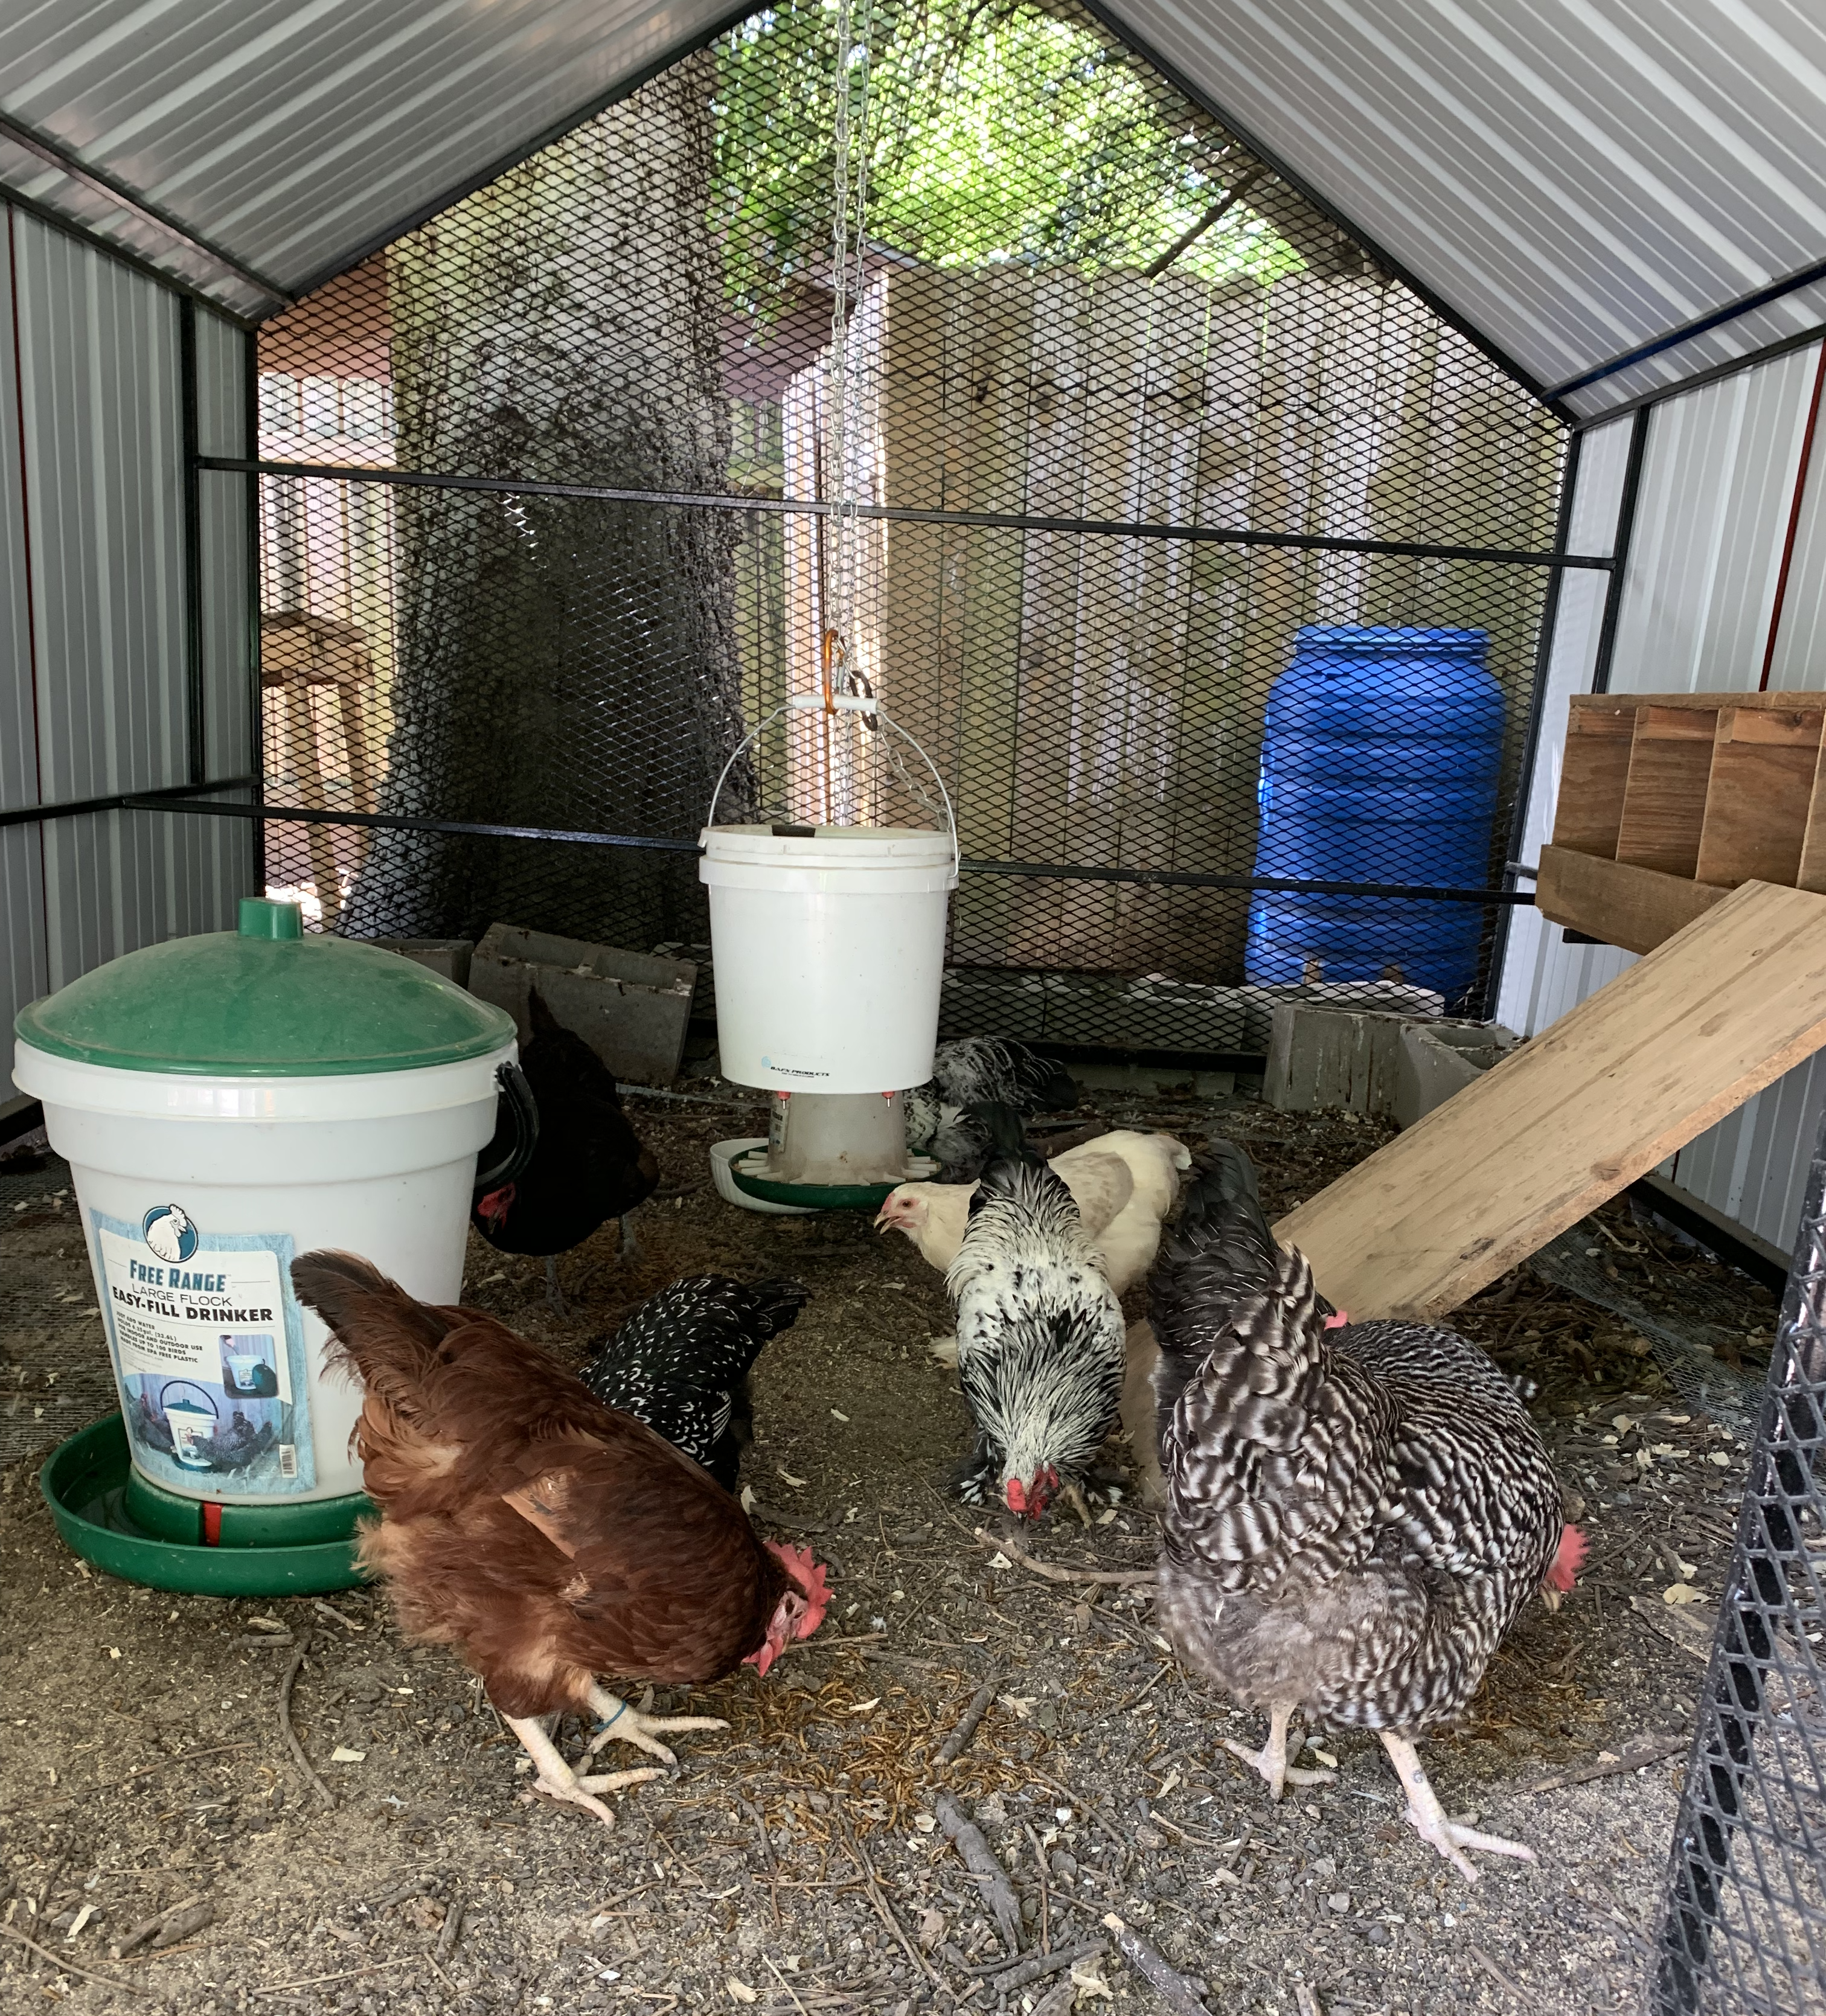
{"x": 1039, "y": 1340}
{"x": 946, "y": 1117}
{"x": 1355, "y": 1514}
{"x": 681, "y": 1362}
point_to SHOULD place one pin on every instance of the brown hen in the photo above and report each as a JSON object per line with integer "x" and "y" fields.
{"x": 548, "y": 1537}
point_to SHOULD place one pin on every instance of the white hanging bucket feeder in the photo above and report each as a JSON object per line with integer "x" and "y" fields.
{"x": 828, "y": 943}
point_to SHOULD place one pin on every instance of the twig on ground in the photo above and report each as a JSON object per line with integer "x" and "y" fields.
{"x": 1135, "y": 1700}
{"x": 767, "y": 1857}
{"x": 1308, "y": 1999}
{"x": 780, "y": 1978}
{"x": 353, "y": 1974}
{"x": 1039, "y": 1856}
{"x": 1040, "y": 1965}
{"x": 69, "y": 1966}
{"x": 979, "y": 1859}
{"x": 138, "y": 1936}
{"x": 952, "y": 1747}
{"x": 1166, "y": 1982}
{"x": 1048, "y": 1571}
{"x": 1504, "y": 1979}
{"x": 1648, "y": 1753}
{"x": 451, "y": 1931}
{"x": 1057, "y": 2001}
{"x": 325, "y": 1795}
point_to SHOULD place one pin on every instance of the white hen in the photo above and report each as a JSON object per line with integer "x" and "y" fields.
{"x": 1124, "y": 1183}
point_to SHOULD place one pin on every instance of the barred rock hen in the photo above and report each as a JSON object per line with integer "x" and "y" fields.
{"x": 974, "y": 1071}
{"x": 1355, "y": 1513}
{"x": 681, "y": 1361}
{"x": 1039, "y": 1340}
{"x": 589, "y": 1165}
{"x": 548, "y": 1537}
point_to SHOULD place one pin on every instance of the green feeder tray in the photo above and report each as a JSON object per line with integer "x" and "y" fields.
{"x": 109, "y": 1514}
{"x": 812, "y": 1197}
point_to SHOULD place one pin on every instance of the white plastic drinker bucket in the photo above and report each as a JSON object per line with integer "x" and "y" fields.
{"x": 828, "y": 950}
{"x": 197, "y": 1189}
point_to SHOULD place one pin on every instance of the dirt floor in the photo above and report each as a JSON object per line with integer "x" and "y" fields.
{"x": 797, "y": 1864}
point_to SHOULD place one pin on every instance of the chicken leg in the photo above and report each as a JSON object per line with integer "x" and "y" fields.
{"x": 557, "y": 1780}
{"x": 1427, "y": 1817}
{"x": 632, "y": 1251}
{"x": 1271, "y": 1761}
{"x": 623, "y": 1724}
{"x": 554, "y": 1294}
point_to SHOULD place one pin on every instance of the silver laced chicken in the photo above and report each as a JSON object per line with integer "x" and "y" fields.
{"x": 1355, "y": 1513}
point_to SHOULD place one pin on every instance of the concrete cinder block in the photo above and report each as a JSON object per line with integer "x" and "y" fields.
{"x": 631, "y": 1008}
{"x": 448, "y": 958}
{"x": 1436, "y": 1059}
{"x": 1362, "y": 1061}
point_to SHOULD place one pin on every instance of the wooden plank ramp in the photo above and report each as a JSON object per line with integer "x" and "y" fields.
{"x": 1683, "y": 1037}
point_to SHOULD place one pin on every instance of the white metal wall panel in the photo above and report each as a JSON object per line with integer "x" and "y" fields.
{"x": 1543, "y": 976}
{"x": 290, "y": 135}
{"x": 1712, "y": 518}
{"x": 229, "y": 739}
{"x": 103, "y": 452}
{"x": 1575, "y": 179}
{"x": 92, "y": 695}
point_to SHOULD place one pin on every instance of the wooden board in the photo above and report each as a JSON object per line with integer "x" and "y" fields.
{"x": 1612, "y": 1089}
{"x": 1756, "y": 800}
{"x": 1616, "y": 902}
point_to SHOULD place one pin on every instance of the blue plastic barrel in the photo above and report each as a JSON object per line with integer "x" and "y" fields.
{"x": 1379, "y": 758}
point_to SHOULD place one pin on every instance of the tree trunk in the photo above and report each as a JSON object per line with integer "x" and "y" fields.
{"x": 566, "y": 663}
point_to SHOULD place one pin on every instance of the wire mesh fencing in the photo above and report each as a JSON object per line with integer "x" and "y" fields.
{"x": 1743, "y": 1929}
{"x": 552, "y": 503}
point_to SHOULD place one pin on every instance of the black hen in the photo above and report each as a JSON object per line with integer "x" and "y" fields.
{"x": 681, "y": 1361}
{"x": 588, "y": 1166}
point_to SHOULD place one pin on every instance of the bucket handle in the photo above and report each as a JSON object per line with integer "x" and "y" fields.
{"x": 516, "y": 1102}
{"x": 815, "y": 703}
{"x": 170, "y": 1383}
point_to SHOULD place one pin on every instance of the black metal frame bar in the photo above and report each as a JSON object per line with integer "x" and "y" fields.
{"x": 1791, "y": 283}
{"x": 155, "y": 799}
{"x": 1015, "y": 521}
{"x": 1042, "y": 870}
{"x": 1543, "y": 658}
{"x": 1620, "y": 544}
{"x": 195, "y": 704}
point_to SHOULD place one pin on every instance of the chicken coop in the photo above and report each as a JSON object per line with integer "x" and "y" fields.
{"x": 439, "y": 445}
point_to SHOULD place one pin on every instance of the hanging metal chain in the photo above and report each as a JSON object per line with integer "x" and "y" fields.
{"x": 843, "y": 390}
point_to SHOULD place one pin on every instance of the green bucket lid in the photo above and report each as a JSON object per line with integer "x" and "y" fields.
{"x": 266, "y": 1001}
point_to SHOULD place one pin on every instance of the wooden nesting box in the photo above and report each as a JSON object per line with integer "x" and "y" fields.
{"x": 1669, "y": 801}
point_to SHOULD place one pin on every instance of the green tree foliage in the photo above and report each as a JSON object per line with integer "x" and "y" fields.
{"x": 1000, "y": 130}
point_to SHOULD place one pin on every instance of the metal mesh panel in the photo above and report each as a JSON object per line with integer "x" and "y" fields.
{"x": 1131, "y": 413}
{"x": 1743, "y": 1927}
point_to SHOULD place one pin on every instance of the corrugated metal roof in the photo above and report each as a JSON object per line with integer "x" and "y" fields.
{"x": 291, "y": 134}
{"x": 1574, "y": 180}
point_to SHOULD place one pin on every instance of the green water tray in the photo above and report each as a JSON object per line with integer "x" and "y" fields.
{"x": 110, "y": 1515}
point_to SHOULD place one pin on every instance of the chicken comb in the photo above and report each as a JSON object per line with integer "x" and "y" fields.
{"x": 1568, "y": 1558}
{"x": 1337, "y": 1320}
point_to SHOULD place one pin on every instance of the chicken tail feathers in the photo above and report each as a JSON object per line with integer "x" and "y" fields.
{"x": 387, "y": 1338}
{"x": 776, "y": 1306}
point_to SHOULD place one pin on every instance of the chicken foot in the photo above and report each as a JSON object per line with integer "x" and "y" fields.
{"x": 623, "y": 1724}
{"x": 1427, "y": 1817}
{"x": 557, "y": 1780}
{"x": 1271, "y": 1761}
